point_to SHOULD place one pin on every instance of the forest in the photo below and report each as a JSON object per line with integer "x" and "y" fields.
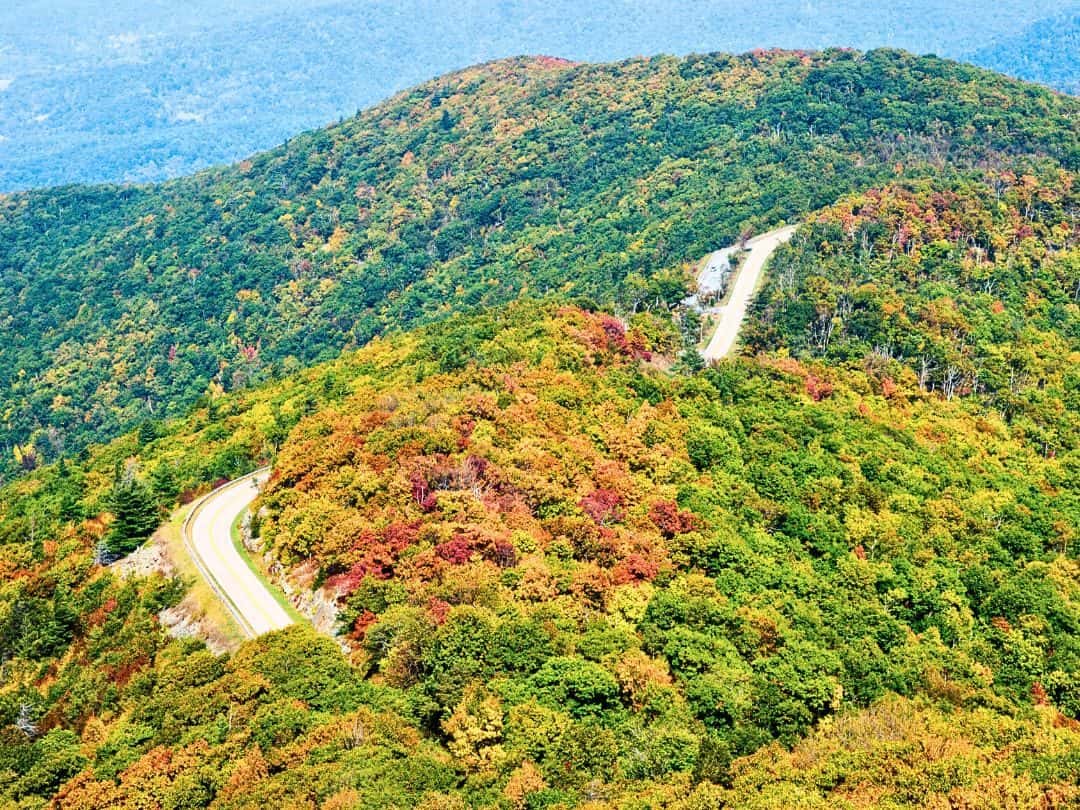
{"x": 134, "y": 92}
{"x": 565, "y": 574}
{"x": 522, "y": 177}
{"x": 568, "y": 565}
{"x": 1047, "y": 51}
{"x": 970, "y": 290}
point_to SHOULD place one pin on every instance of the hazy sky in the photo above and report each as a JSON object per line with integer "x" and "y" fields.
{"x": 144, "y": 89}
{"x": 651, "y": 25}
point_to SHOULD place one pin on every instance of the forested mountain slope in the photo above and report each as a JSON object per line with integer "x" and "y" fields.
{"x": 530, "y": 176}
{"x": 565, "y": 576}
{"x": 964, "y": 290}
{"x": 1047, "y": 51}
{"x": 568, "y": 565}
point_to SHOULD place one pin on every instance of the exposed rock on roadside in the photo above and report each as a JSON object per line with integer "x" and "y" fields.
{"x": 317, "y": 606}
{"x": 184, "y": 620}
{"x": 149, "y": 558}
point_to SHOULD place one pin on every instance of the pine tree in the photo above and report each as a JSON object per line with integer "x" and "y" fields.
{"x": 147, "y": 432}
{"x": 69, "y": 488}
{"x": 135, "y": 511}
{"x": 163, "y": 483}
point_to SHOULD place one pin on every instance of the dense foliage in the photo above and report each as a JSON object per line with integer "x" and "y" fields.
{"x": 970, "y": 290}
{"x": 568, "y": 565}
{"x": 566, "y": 575}
{"x": 520, "y": 177}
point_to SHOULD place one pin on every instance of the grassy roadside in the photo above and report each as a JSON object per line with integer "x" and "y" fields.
{"x": 200, "y": 601}
{"x": 260, "y": 574}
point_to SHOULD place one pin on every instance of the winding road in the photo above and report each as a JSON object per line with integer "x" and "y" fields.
{"x": 208, "y": 528}
{"x": 730, "y": 316}
{"x": 208, "y": 537}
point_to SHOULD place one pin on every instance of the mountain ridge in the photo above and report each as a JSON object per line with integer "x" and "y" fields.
{"x": 1045, "y": 52}
{"x": 423, "y": 205}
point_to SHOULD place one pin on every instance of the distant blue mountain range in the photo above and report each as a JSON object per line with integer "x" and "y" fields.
{"x": 130, "y": 91}
{"x": 1047, "y": 52}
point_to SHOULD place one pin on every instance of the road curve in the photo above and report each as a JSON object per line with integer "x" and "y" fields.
{"x": 208, "y": 537}
{"x": 731, "y": 315}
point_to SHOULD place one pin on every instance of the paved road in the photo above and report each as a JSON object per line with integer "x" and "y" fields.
{"x": 731, "y": 315}
{"x": 712, "y": 274}
{"x": 208, "y": 535}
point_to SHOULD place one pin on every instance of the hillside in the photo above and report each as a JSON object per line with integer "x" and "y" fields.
{"x": 522, "y": 177}
{"x": 1047, "y": 52}
{"x": 557, "y": 562}
{"x": 566, "y": 575}
{"x": 970, "y": 290}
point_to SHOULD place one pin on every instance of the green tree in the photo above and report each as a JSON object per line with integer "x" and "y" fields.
{"x": 135, "y": 511}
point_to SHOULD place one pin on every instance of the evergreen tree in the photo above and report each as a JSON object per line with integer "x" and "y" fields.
{"x": 135, "y": 510}
{"x": 69, "y": 488}
{"x": 163, "y": 484}
{"x": 147, "y": 432}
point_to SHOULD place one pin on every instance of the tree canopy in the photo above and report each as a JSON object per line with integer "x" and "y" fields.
{"x": 524, "y": 177}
